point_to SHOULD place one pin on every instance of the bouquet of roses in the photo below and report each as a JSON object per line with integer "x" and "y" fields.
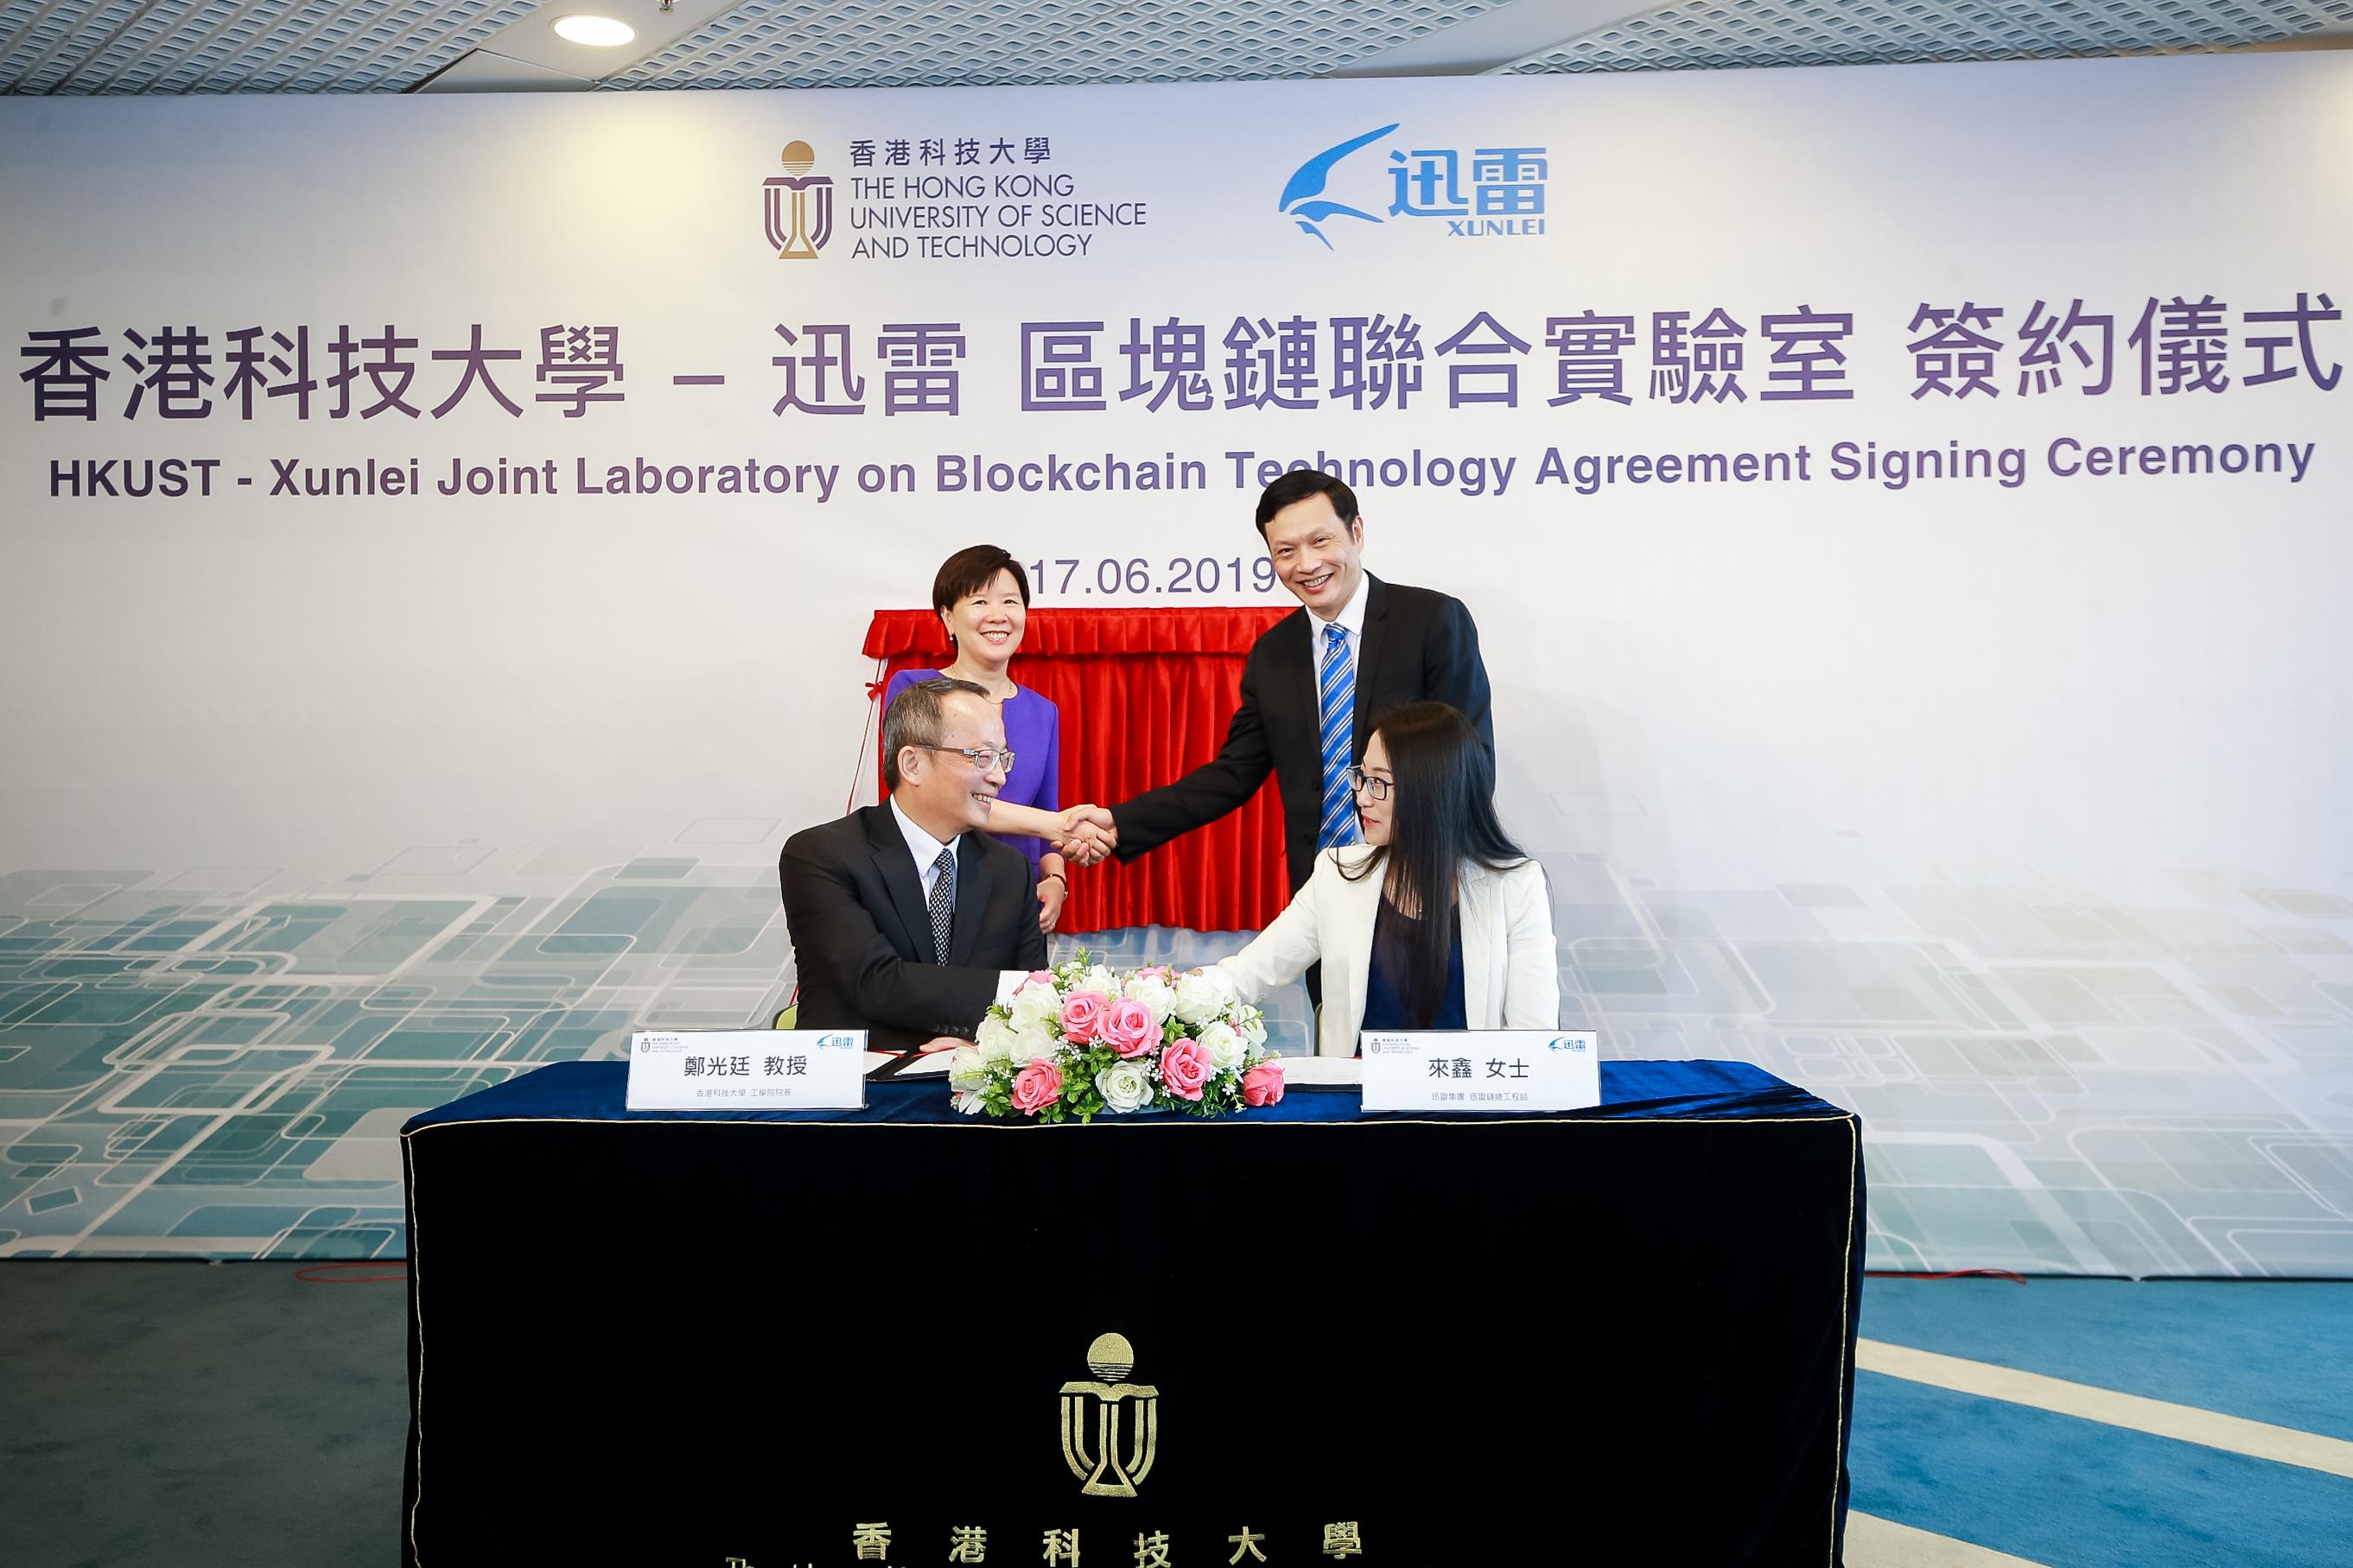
{"x": 1076, "y": 1041}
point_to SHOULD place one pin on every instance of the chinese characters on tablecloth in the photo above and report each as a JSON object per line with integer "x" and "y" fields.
{"x": 875, "y": 1541}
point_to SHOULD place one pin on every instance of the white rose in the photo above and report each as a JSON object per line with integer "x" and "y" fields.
{"x": 1035, "y": 1003}
{"x": 1124, "y": 1086}
{"x": 1200, "y": 995}
{"x": 1224, "y": 1045}
{"x": 1253, "y": 1026}
{"x": 1034, "y": 1043}
{"x": 994, "y": 1038}
{"x": 1100, "y": 981}
{"x": 1155, "y": 994}
{"x": 967, "y": 1071}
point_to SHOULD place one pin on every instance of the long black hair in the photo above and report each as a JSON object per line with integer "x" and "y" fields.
{"x": 1441, "y": 813}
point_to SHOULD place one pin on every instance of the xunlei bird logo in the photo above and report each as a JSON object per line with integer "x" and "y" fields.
{"x": 1303, "y": 197}
{"x": 1503, "y": 198}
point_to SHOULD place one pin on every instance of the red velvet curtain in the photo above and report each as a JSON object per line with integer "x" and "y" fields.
{"x": 1146, "y": 696}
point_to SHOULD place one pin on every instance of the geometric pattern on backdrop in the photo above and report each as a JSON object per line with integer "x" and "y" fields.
{"x": 215, "y": 1062}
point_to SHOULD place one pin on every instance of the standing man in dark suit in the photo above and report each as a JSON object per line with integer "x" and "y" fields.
{"x": 908, "y": 918}
{"x": 1314, "y": 683}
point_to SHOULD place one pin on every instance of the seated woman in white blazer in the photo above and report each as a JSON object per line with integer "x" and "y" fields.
{"x": 1436, "y": 920}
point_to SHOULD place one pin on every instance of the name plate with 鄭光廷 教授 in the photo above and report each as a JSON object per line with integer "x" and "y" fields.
{"x": 748, "y": 1070}
{"x": 1482, "y": 1069}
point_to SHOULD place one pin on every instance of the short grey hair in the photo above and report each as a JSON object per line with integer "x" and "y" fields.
{"x": 913, "y": 719}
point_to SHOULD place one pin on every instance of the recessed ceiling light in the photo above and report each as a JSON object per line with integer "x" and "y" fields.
{"x": 596, "y": 32}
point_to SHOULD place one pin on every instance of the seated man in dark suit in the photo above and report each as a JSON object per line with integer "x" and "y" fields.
{"x": 907, "y": 917}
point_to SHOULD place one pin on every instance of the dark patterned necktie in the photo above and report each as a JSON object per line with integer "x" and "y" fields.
{"x": 943, "y": 903}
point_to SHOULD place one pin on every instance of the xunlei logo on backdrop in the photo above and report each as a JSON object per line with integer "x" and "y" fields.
{"x": 1504, "y": 198}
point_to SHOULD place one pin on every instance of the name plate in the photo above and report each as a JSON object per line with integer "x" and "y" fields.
{"x": 1482, "y": 1069}
{"x": 748, "y": 1070}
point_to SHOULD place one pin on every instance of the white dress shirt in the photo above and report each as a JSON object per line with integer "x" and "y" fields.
{"x": 923, "y": 847}
{"x": 926, "y": 851}
{"x": 1351, "y": 620}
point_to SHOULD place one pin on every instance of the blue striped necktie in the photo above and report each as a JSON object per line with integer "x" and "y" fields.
{"x": 1335, "y": 705}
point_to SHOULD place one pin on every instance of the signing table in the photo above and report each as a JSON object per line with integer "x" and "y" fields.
{"x": 1302, "y": 1335}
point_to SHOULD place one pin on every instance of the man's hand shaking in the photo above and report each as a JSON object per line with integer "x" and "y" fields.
{"x": 1086, "y": 833}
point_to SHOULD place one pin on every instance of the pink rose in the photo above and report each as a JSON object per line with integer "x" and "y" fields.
{"x": 1262, "y": 1085}
{"x": 1040, "y": 977}
{"x": 1129, "y": 1029}
{"x": 1082, "y": 1018}
{"x": 1183, "y": 1068}
{"x": 1036, "y": 1087}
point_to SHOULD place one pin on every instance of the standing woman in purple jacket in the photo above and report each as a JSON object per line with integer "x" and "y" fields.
{"x": 982, "y": 597}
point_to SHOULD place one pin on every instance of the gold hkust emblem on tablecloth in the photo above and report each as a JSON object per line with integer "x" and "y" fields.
{"x": 1111, "y": 1427}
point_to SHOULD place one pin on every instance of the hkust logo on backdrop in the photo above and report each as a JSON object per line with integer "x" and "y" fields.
{"x": 800, "y": 206}
{"x": 1480, "y": 192}
{"x": 951, "y": 192}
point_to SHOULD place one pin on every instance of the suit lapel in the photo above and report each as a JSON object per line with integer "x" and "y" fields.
{"x": 971, "y": 897}
{"x": 1348, "y": 951}
{"x": 1375, "y": 639}
{"x": 1476, "y": 898}
{"x": 901, "y": 880}
{"x": 1291, "y": 741}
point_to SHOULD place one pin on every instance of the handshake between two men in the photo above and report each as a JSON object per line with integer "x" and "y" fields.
{"x": 1086, "y": 835}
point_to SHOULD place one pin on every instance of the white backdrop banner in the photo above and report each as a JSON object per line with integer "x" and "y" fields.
{"x": 1904, "y": 509}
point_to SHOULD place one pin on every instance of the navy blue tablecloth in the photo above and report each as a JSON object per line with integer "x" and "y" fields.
{"x": 1620, "y": 1335}
{"x": 593, "y": 1090}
